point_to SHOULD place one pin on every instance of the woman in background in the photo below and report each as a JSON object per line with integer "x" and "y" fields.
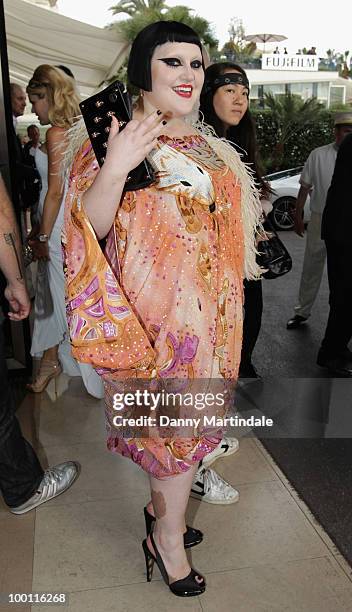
{"x": 55, "y": 101}
{"x": 224, "y": 105}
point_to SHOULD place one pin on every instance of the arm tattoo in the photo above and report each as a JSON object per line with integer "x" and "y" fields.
{"x": 10, "y": 240}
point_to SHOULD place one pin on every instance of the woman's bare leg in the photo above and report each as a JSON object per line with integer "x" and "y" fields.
{"x": 51, "y": 353}
{"x": 169, "y": 502}
{"x": 48, "y": 368}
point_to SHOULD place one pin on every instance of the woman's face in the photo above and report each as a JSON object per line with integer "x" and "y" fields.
{"x": 40, "y": 106}
{"x": 231, "y": 102}
{"x": 177, "y": 79}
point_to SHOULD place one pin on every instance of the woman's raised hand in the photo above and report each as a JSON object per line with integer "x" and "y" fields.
{"x": 127, "y": 149}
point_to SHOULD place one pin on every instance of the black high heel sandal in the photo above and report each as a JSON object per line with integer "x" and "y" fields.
{"x": 191, "y": 537}
{"x": 186, "y": 587}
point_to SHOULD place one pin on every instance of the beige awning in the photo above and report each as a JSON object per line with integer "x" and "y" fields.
{"x": 37, "y": 35}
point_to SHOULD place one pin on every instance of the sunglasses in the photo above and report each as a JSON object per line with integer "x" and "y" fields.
{"x": 33, "y": 84}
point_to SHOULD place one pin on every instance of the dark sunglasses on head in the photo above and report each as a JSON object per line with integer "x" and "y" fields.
{"x": 33, "y": 84}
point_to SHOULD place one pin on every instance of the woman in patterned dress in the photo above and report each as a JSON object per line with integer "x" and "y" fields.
{"x": 164, "y": 303}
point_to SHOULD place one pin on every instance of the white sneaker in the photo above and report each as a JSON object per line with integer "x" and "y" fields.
{"x": 55, "y": 481}
{"x": 225, "y": 448}
{"x": 208, "y": 486}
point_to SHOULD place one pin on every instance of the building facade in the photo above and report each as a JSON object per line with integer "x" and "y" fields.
{"x": 298, "y": 74}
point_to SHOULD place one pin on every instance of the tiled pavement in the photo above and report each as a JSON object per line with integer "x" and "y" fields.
{"x": 264, "y": 554}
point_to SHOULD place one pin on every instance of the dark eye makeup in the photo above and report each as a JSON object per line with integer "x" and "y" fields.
{"x": 171, "y": 61}
{"x": 175, "y": 62}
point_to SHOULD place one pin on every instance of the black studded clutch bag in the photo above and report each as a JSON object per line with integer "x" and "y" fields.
{"x": 97, "y": 112}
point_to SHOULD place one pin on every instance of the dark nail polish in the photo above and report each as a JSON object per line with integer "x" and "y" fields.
{"x": 158, "y": 112}
{"x": 164, "y": 122}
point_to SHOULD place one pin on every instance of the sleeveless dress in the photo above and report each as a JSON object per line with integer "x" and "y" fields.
{"x": 164, "y": 304}
{"x": 50, "y": 324}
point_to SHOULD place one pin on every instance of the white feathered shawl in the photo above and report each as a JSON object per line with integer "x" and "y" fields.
{"x": 250, "y": 201}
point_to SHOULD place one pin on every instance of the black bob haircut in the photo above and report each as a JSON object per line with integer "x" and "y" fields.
{"x": 143, "y": 46}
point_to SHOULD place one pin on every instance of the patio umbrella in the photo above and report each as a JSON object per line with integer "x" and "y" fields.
{"x": 264, "y": 38}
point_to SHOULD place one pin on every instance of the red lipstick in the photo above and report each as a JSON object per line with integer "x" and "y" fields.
{"x": 184, "y": 90}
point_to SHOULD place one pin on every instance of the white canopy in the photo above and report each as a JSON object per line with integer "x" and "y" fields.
{"x": 37, "y": 35}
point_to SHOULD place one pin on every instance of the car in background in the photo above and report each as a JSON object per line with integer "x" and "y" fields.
{"x": 285, "y": 186}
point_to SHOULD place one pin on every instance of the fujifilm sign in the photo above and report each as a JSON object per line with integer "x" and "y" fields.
{"x": 277, "y": 61}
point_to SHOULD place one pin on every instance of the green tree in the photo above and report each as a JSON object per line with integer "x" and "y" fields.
{"x": 303, "y": 139}
{"x": 344, "y": 70}
{"x": 143, "y": 12}
{"x": 131, "y": 7}
{"x": 237, "y": 49}
{"x": 290, "y": 114}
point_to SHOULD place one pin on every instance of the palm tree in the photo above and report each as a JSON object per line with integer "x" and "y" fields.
{"x": 291, "y": 114}
{"x": 235, "y": 52}
{"x": 200, "y": 25}
{"x": 143, "y": 12}
{"x": 131, "y": 7}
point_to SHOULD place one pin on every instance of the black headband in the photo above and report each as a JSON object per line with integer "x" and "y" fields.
{"x": 230, "y": 78}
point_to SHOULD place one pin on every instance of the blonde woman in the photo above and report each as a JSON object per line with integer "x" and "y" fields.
{"x": 55, "y": 101}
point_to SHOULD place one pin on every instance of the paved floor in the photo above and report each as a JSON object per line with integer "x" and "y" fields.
{"x": 291, "y": 353}
{"x": 264, "y": 554}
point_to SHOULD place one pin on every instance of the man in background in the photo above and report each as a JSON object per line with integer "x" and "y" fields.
{"x": 334, "y": 353}
{"x": 315, "y": 180}
{"x": 18, "y": 106}
{"x": 23, "y": 483}
{"x": 26, "y": 186}
{"x": 32, "y": 144}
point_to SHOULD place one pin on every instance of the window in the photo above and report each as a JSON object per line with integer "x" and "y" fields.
{"x": 323, "y": 91}
{"x": 305, "y": 90}
{"x": 275, "y": 89}
{"x": 337, "y": 94}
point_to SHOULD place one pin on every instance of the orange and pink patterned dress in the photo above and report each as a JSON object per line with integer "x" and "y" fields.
{"x": 164, "y": 301}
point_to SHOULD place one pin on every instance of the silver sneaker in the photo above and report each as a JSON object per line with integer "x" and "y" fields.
{"x": 225, "y": 448}
{"x": 55, "y": 481}
{"x": 208, "y": 486}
